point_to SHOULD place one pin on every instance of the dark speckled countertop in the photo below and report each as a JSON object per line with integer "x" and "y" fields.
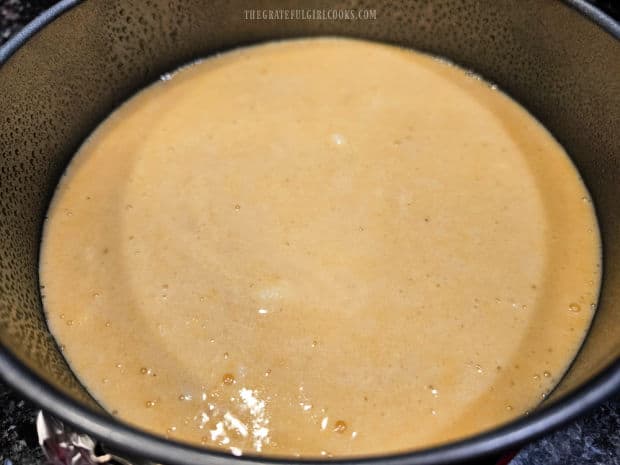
{"x": 592, "y": 440}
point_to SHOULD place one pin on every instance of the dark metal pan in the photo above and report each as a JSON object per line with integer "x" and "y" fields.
{"x": 67, "y": 70}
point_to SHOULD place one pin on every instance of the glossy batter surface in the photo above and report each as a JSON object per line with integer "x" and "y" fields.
{"x": 320, "y": 247}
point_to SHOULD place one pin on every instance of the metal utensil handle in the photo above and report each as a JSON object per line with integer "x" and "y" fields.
{"x": 64, "y": 446}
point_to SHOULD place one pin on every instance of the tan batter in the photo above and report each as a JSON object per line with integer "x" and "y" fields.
{"x": 320, "y": 247}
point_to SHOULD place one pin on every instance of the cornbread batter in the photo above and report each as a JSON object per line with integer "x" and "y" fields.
{"x": 320, "y": 247}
